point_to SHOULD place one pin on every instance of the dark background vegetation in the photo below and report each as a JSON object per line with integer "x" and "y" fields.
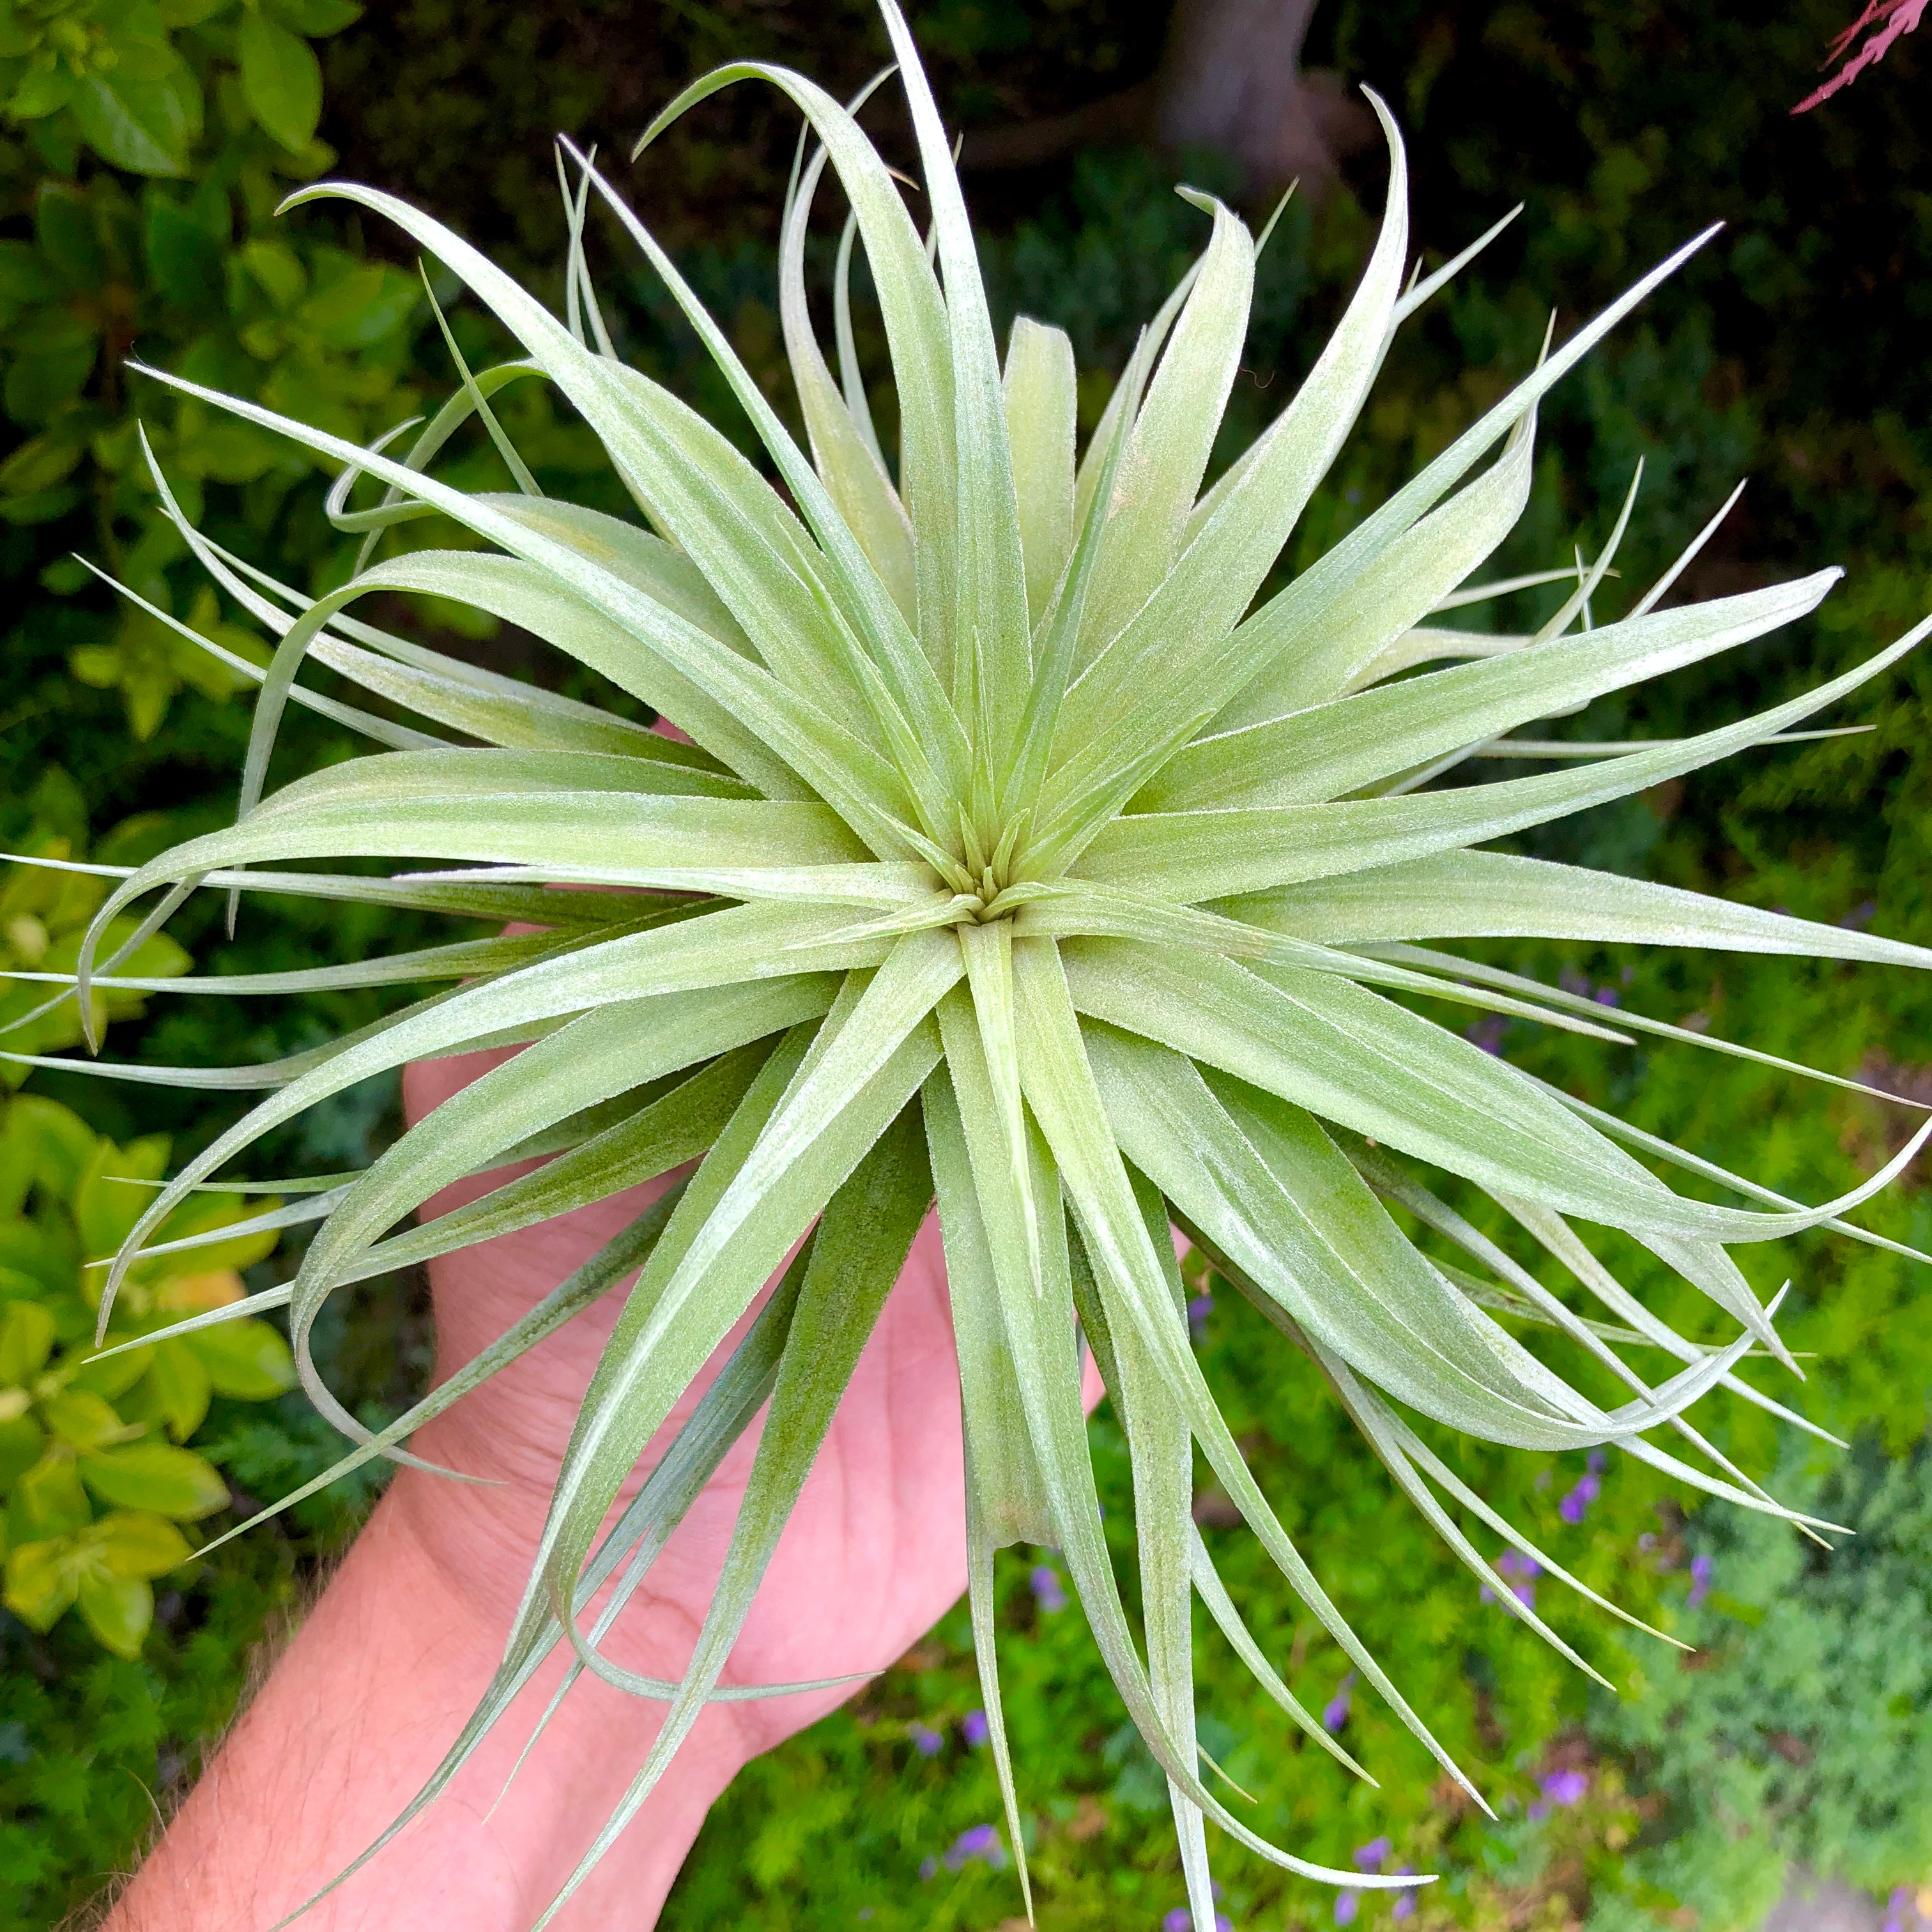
{"x": 1793, "y": 350}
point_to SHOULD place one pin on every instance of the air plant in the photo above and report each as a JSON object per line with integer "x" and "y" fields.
{"x": 1018, "y": 852}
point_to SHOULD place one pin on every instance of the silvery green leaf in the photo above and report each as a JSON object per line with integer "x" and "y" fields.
{"x": 1041, "y": 402}
{"x": 853, "y": 474}
{"x": 856, "y": 1253}
{"x": 1327, "y": 751}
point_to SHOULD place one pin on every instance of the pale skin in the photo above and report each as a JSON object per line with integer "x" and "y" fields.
{"x": 362, "y": 1706}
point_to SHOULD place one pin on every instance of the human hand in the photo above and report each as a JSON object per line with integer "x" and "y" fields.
{"x": 377, "y": 1683}
{"x": 874, "y": 1551}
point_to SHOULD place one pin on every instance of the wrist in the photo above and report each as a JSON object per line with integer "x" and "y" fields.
{"x": 355, "y": 1717}
{"x": 456, "y": 1558}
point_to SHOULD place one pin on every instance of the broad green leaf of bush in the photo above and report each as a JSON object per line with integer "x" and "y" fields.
{"x": 189, "y": 116}
{"x": 43, "y": 915}
{"x": 143, "y": 112}
{"x": 281, "y": 78}
{"x": 94, "y": 1474}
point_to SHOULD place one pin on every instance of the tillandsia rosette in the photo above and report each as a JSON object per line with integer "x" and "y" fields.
{"x": 1019, "y": 856}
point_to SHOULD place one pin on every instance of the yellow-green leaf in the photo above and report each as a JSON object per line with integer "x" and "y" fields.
{"x": 281, "y": 80}
{"x": 177, "y": 1389}
{"x": 247, "y": 1359}
{"x": 41, "y": 1582}
{"x": 48, "y": 1501}
{"x": 155, "y": 1476}
{"x": 138, "y": 1543}
{"x": 118, "y": 1610}
{"x": 26, "y": 1339}
{"x": 80, "y": 1417}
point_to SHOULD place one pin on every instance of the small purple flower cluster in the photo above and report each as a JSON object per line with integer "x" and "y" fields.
{"x": 1560, "y": 1788}
{"x": 1573, "y": 982}
{"x": 1901, "y": 1910}
{"x": 1701, "y": 1570}
{"x": 1371, "y": 1858}
{"x": 1048, "y": 1590}
{"x": 974, "y": 1728}
{"x": 1521, "y": 1572}
{"x": 1487, "y": 1034}
{"x": 1335, "y": 1712}
{"x": 981, "y": 1842}
{"x": 1181, "y": 1920}
{"x": 927, "y": 1742}
{"x": 1576, "y": 1505}
{"x": 1199, "y": 1310}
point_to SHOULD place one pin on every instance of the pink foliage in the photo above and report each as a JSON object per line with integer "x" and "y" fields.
{"x": 1891, "y": 20}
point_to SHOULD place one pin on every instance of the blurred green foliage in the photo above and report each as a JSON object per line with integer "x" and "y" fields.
{"x": 85, "y": 1429}
{"x": 114, "y": 1468}
{"x": 1805, "y": 1732}
{"x": 1792, "y": 350}
{"x": 143, "y": 149}
{"x": 43, "y": 914}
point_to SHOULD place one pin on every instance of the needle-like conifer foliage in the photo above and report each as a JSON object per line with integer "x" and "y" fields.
{"x": 1022, "y": 856}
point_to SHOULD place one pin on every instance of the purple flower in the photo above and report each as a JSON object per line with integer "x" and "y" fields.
{"x": 1605, "y": 996}
{"x": 1179, "y": 1920}
{"x": 1861, "y": 915}
{"x": 1565, "y": 1787}
{"x": 1404, "y": 1907}
{"x": 1371, "y": 1856}
{"x": 1347, "y": 1904}
{"x": 1335, "y": 1712}
{"x": 1199, "y": 1310}
{"x": 1486, "y": 1033}
{"x": 927, "y": 1742}
{"x": 1596, "y": 1463}
{"x": 1701, "y": 1568}
{"x": 1048, "y": 1592}
{"x": 1523, "y": 1572}
{"x": 927, "y": 1870}
{"x": 982, "y": 1842}
{"x": 973, "y": 1728}
{"x": 1576, "y": 1505}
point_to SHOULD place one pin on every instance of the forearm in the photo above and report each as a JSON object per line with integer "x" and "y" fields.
{"x": 356, "y": 1715}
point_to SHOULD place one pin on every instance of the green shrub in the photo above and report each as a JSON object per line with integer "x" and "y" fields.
{"x": 92, "y": 1466}
{"x": 1804, "y": 1732}
{"x": 145, "y": 148}
{"x": 43, "y": 914}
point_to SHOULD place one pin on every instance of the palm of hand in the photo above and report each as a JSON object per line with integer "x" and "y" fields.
{"x": 874, "y": 1551}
